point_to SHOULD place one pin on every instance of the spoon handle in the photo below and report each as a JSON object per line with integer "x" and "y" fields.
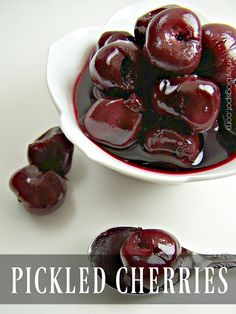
{"x": 221, "y": 260}
{"x": 191, "y": 259}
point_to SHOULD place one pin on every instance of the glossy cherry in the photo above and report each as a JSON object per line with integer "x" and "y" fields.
{"x": 143, "y": 22}
{"x": 173, "y": 41}
{"x": 150, "y": 248}
{"x": 176, "y": 148}
{"x": 40, "y": 193}
{"x": 113, "y": 36}
{"x": 192, "y": 99}
{"x": 52, "y": 151}
{"x": 115, "y": 67}
{"x": 116, "y": 123}
{"x": 219, "y": 53}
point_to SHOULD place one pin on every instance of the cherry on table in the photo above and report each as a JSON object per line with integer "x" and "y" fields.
{"x": 52, "y": 151}
{"x": 40, "y": 193}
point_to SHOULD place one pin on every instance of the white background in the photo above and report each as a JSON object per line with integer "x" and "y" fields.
{"x": 201, "y": 215}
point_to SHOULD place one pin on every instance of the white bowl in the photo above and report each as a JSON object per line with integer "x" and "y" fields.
{"x": 66, "y": 59}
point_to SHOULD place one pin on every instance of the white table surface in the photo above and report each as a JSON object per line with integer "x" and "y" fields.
{"x": 201, "y": 215}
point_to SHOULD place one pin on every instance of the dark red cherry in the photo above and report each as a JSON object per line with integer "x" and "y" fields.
{"x": 115, "y": 123}
{"x": 219, "y": 53}
{"x": 115, "y": 66}
{"x": 173, "y": 41}
{"x": 52, "y": 151}
{"x": 40, "y": 193}
{"x": 143, "y": 22}
{"x": 192, "y": 99}
{"x": 112, "y": 36}
{"x": 174, "y": 147}
{"x": 150, "y": 248}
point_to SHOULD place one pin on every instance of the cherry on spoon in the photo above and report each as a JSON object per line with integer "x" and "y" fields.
{"x": 106, "y": 251}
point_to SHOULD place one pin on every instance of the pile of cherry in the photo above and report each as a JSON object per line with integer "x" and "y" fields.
{"x": 41, "y": 186}
{"x": 179, "y": 72}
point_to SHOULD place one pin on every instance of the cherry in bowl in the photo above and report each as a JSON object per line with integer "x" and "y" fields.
{"x": 219, "y": 53}
{"x": 193, "y": 99}
{"x": 114, "y": 122}
{"x": 143, "y": 22}
{"x": 174, "y": 148}
{"x": 173, "y": 41}
{"x": 113, "y": 36}
{"x": 115, "y": 67}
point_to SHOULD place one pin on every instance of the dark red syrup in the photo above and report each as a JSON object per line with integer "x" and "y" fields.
{"x": 214, "y": 154}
